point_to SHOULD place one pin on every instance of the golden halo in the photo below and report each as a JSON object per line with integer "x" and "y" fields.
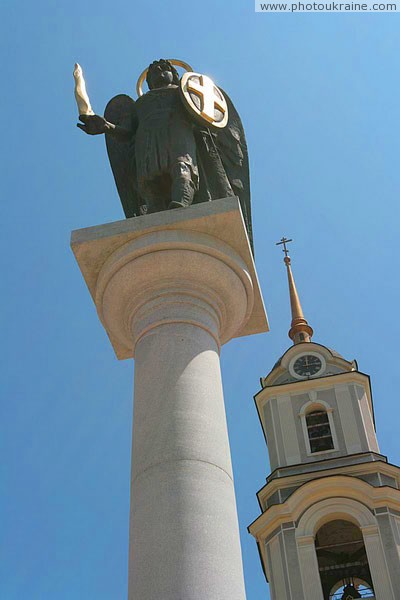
{"x": 173, "y": 61}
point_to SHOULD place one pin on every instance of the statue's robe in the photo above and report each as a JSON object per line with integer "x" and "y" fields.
{"x": 164, "y": 137}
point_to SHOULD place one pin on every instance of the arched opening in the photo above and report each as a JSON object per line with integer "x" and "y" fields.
{"x": 319, "y": 430}
{"x": 342, "y": 561}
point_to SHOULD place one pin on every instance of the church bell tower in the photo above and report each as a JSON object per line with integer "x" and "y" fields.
{"x": 329, "y": 527}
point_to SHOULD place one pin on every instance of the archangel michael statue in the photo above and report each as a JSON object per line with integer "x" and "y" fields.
{"x": 181, "y": 142}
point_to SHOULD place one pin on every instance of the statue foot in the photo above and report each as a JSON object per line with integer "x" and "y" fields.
{"x": 175, "y": 204}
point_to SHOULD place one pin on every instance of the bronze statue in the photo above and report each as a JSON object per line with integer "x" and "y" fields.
{"x": 176, "y": 145}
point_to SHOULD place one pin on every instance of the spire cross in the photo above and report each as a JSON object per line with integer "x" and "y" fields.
{"x": 300, "y": 330}
{"x": 284, "y": 241}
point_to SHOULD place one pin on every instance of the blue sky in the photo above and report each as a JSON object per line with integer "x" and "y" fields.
{"x": 319, "y": 97}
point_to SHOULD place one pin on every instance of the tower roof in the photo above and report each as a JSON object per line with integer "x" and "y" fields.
{"x": 330, "y": 350}
{"x": 300, "y": 331}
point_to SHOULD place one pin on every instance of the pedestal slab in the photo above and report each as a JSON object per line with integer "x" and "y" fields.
{"x": 170, "y": 288}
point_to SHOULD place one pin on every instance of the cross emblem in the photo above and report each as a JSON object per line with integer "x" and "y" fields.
{"x": 284, "y": 241}
{"x": 211, "y": 98}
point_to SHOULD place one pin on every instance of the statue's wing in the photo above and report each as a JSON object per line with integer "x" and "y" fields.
{"x": 232, "y": 147}
{"x": 121, "y": 110}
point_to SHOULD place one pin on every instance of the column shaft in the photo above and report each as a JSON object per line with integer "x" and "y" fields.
{"x": 184, "y": 542}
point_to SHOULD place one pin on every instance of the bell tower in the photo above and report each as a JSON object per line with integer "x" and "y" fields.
{"x": 329, "y": 527}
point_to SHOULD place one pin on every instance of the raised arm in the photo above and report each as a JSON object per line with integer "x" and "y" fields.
{"x": 95, "y": 124}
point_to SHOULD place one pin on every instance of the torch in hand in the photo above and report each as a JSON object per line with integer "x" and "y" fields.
{"x": 93, "y": 124}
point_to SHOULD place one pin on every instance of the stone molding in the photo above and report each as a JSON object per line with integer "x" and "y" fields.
{"x": 318, "y": 384}
{"x": 189, "y": 265}
{"x": 325, "y": 488}
{"x": 331, "y": 509}
{"x": 314, "y": 403}
{"x": 351, "y": 470}
{"x": 173, "y": 277}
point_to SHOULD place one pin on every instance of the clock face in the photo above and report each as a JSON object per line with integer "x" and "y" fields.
{"x": 307, "y": 365}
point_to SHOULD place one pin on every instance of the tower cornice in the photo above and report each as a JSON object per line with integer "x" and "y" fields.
{"x": 317, "y": 490}
{"x": 377, "y": 463}
{"x": 318, "y": 383}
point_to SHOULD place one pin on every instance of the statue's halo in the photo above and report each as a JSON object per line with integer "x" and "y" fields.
{"x": 173, "y": 61}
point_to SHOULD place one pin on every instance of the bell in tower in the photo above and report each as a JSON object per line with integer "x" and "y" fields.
{"x": 350, "y": 592}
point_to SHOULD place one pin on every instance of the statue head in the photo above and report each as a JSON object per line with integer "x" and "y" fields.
{"x": 161, "y": 73}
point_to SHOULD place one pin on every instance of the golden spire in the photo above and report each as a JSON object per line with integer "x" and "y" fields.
{"x": 300, "y": 330}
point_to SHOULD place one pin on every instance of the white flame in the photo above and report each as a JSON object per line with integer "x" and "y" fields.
{"x": 81, "y": 95}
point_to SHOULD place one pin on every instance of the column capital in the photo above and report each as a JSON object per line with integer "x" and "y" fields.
{"x": 305, "y": 540}
{"x": 370, "y": 530}
{"x": 189, "y": 265}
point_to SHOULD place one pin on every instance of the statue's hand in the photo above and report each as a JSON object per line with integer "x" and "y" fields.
{"x": 93, "y": 124}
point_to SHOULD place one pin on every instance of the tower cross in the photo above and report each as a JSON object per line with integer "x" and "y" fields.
{"x": 284, "y": 241}
{"x": 300, "y": 330}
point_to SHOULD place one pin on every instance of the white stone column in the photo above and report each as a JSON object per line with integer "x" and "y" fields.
{"x": 309, "y": 568}
{"x": 184, "y": 532}
{"x": 377, "y": 563}
{"x": 170, "y": 295}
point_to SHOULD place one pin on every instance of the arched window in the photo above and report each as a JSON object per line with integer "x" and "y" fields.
{"x": 319, "y": 431}
{"x": 342, "y": 562}
{"x": 318, "y": 427}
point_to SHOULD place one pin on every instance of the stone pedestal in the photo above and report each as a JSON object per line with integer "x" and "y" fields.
{"x": 170, "y": 288}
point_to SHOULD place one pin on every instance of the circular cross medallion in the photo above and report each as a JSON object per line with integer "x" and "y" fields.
{"x": 204, "y": 100}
